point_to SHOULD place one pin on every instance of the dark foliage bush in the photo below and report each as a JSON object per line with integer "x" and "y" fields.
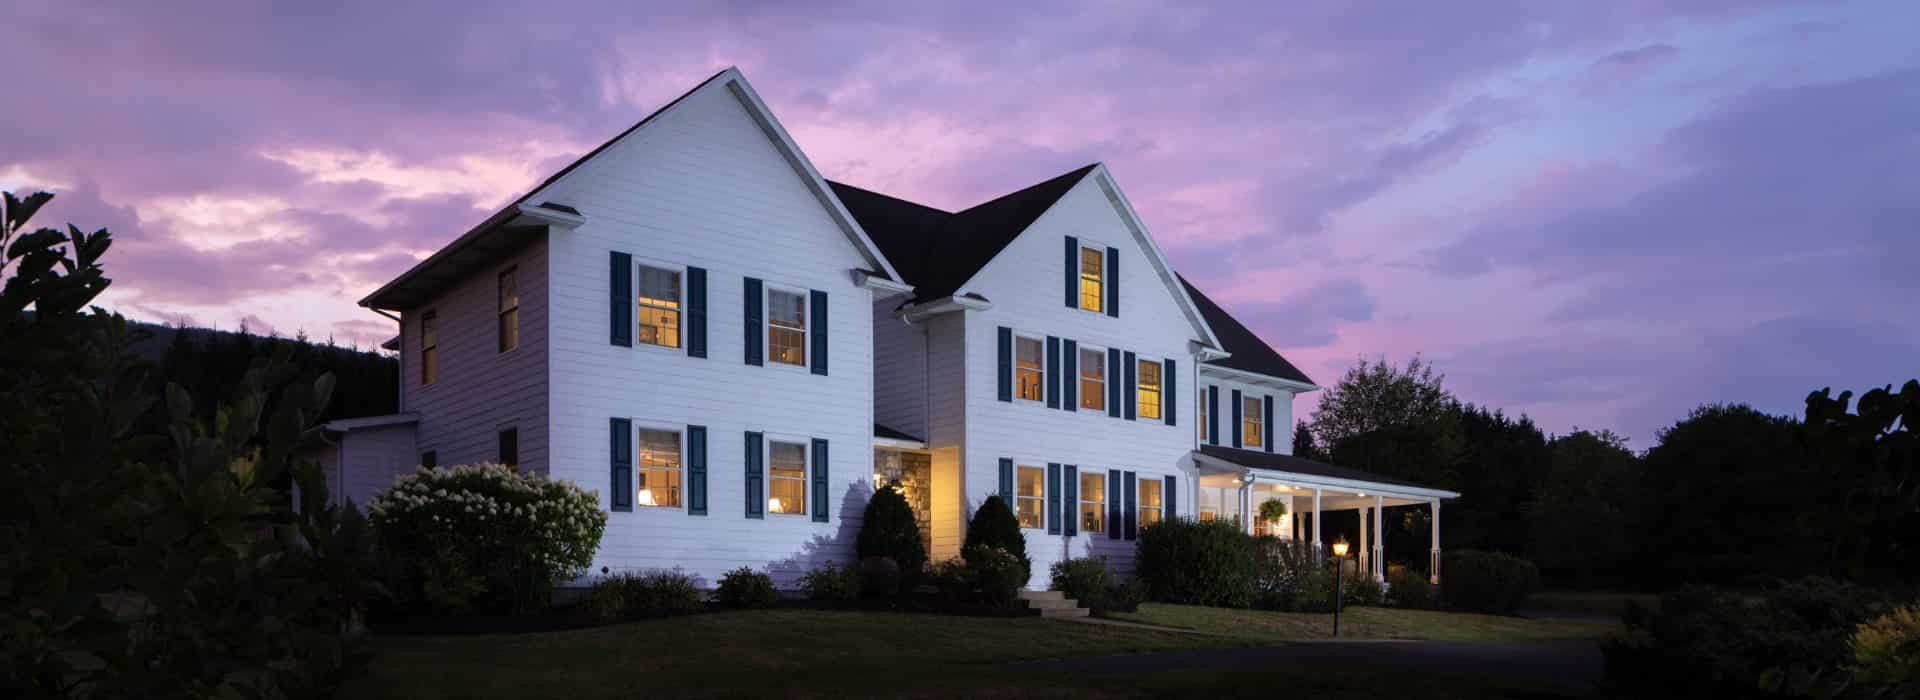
{"x": 1197, "y": 562}
{"x": 1126, "y": 597}
{"x": 888, "y": 530}
{"x": 1489, "y": 582}
{"x": 832, "y": 582}
{"x": 1281, "y": 569}
{"x": 630, "y": 596}
{"x": 1408, "y": 587}
{"x": 1706, "y": 642}
{"x": 953, "y": 579}
{"x": 994, "y": 527}
{"x": 1084, "y": 579}
{"x": 746, "y": 588}
{"x": 1361, "y": 588}
{"x": 880, "y": 576}
{"x": 998, "y": 573}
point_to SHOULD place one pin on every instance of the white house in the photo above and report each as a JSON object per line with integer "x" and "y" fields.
{"x": 734, "y": 351}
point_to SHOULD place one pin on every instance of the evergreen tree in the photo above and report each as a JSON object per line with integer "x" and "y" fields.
{"x": 994, "y": 525}
{"x": 888, "y": 529}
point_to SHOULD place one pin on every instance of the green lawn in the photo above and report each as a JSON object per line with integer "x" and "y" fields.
{"x": 1364, "y": 623}
{"x": 1590, "y": 602}
{"x": 808, "y": 653}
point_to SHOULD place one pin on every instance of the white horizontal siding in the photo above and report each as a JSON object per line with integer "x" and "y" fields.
{"x": 1282, "y": 410}
{"x": 899, "y": 370}
{"x": 374, "y": 457}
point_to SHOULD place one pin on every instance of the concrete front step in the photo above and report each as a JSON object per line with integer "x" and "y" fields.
{"x": 1052, "y": 604}
{"x": 1042, "y": 595}
{"x": 1064, "y": 612}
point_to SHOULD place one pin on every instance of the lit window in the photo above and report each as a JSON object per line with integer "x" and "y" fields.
{"x": 657, "y": 480}
{"x": 1148, "y": 381}
{"x": 1029, "y": 496}
{"x": 509, "y": 309}
{"x": 659, "y": 307}
{"x": 1093, "y": 379}
{"x": 1251, "y": 421}
{"x": 429, "y": 347}
{"x": 787, "y": 327}
{"x": 1027, "y": 372}
{"x": 1092, "y": 278}
{"x": 1201, "y": 397}
{"x": 787, "y": 478}
{"x": 1093, "y": 502}
{"x": 1151, "y": 503}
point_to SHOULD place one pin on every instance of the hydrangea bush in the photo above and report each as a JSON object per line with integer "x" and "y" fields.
{"x": 448, "y": 528}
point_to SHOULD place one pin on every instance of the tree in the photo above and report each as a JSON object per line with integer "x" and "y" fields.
{"x": 994, "y": 525}
{"x": 1399, "y": 422}
{"x": 887, "y": 529}
{"x": 1303, "y": 445}
{"x": 1718, "y": 500}
{"x": 1578, "y": 520}
{"x": 1868, "y": 504}
{"x": 1501, "y": 463}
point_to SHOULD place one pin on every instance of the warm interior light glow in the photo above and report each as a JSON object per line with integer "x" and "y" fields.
{"x": 1363, "y": 495}
{"x": 773, "y": 504}
{"x": 1340, "y": 548}
{"x": 646, "y": 498}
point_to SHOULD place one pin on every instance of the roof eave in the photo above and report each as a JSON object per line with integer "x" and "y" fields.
{"x": 1294, "y": 385}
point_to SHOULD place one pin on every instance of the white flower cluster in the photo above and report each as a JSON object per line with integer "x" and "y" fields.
{"x": 490, "y": 501}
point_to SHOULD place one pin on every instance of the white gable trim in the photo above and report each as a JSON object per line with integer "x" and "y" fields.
{"x": 736, "y": 85}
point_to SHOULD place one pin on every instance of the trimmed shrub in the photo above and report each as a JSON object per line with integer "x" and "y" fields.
{"x": 446, "y": 527}
{"x": 994, "y": 527}
{"x": 1126, "y": 597}
{"x": 832, "y": 582}
{"x": 1887, "y": 650}
{"x": 997, "y": 572}
{"x": 1084, "y": 579}
{"x": 953, "y": 579}
{"x": 628, "y": 596}
{"x": 1281, "y": 568}
{"x": 880, "y": 576}
{"x": 1361, "y": 588}
{"x": 746, "y": 588}
{"x": 1490, "y": 582}
{"x": 1408, "y": 588}
{"x": 1197, "y": 562}
{"x": 887, "y": 529}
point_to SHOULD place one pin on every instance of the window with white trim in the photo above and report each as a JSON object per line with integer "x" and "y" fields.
{"x": 1201, "y": 398}
{"x": 1029, "y": 495}
{"x": 1093, "y": 502}
{"x": 658, "y": 303}
{"x": 1152, "y": 502}
{"x": 1252, "y": 421}
{"x": 509, "y": 309}
{"x": 1093, "y": 379}
{"x": 1147, "y": 388}
{"x": 657, "y": 475}
{"x": 429, "y": 346}
{"x": 1093, "y": 278}
{"x": 1029, "y": 369}
{"x": 787, "y": 327}
{"x": 786, "y": 477}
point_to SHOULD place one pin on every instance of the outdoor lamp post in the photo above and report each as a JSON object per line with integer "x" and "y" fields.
{"x": 1339, "y": 581}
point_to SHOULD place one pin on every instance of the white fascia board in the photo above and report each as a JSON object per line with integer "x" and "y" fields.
{"x": 943, "y": 305}
{"x": 1257, "y": 378}
{"x": 1297, "y": 479}
{"x": 547, "y": 217}
{"x": 898, "y": 444}
{"x": 865, "y": 279}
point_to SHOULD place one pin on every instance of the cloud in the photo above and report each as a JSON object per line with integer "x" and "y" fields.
{"x": 1621, "y": 68}
{"x": 1309, "y": 318}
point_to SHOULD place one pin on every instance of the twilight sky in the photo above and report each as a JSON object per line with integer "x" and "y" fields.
{"x": 1598, "y": 214}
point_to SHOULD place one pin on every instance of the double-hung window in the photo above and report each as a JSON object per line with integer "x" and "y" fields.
{"x": 1093, "y": 379}
{"x": 1093, "y": 502}
{"x": 658, "y": 305}
{"x": 509, "y": 309}
{"x": 1093, "y": 278}
{"x": 1152, "y": 504}
{"x": 1147, "y": 377}
{"x": 1252, "y": 421}
{"x": 787, "y": 327}
{"x": 1029, "y": 495}
{"x": 1029, "y": 370}
{"x": 657, "y": 476}
{"x": 786, "y": 477}
{"x": 1201, "y": 397}
{"x": 429, "y": 346}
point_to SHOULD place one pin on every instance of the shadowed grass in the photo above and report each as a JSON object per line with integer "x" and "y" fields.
{"x": 1365, "y": 623}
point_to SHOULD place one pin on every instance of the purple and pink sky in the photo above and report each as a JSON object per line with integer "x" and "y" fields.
{"x": 1600, "y": 214}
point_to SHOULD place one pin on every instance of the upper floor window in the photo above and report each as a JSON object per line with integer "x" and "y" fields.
{"x": 1093, "y": 379}
{"x": 1030, "y": 495}
{"x": 509, "y": 311}
{"x": 659, "y": 306}
{"x": 1152, "y": 503}
{"x": 1028, "y": 372}
{"x": 1201, "y": 398}
{"x": 786, "y": 477}
{"x": 1093, "y": 278}
{"x": 429, "y": 346}
{"x": 787, "y": 327}
{"x": 1147, "y": 379}
{"x": 1252, "y": 422}
{"x": 1093, "y": 502}
{"x": 657, "y": 477}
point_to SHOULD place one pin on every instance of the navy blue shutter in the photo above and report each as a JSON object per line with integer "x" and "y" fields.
{"x": 1113, "y": 282}
{"x": 1006, "y": 481}
{"x": 756, "y": 486}
{"x": 1113, "y": 504}
{"x": 1113, "y": 383}
{"x": 696, "y": 470}
{"x": 1073, "y": 272}
{"x": 1171, "y": 499}
{"x": 1053, "y": 372}
{"x": 1170, "y": 392}
{"x": 696, "y": 312}
{"x": 1005, "y": 372}
{"x": 620, "y": 298}
{"x": 1070, "y": 498}
{"x": 1266, "y": 423}
{"x": 1132, "y": 393}
{"x": 1132, "y": 513}
{"x": 1236, "y": 417}
{"x": 1213, "y": 415}
{"x": 818, "y": 304}
{"x": 1053, "y": 498}
{"x": 820, "y": 471}
{"x": 620, "y": 432}
{"x": 1069, "y": 375}
{"x": 755, "y": 319}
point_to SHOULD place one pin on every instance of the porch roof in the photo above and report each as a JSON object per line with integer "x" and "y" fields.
{"x": 1311, "y": 471}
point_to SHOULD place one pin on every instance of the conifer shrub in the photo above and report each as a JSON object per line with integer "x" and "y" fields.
{"x": 888, "y": 529}
{"x": 995, "y": 527}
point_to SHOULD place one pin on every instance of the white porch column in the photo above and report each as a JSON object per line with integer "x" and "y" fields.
{"x": 1246, "y": 504}
{"x": 1433, "y": 565}
{"x": 1362, "y": 554}
{"x": 1316, "y": 523}
{"x": 1379, "y": 540}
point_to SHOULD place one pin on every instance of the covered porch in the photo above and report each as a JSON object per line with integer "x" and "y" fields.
{"x": 1236, "y": 483}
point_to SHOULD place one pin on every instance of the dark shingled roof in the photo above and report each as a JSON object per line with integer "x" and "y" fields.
{"x": 1250, "y": 353}
{"x": 937, "y": 251}
{"x": 1297, "y": 465}
{"x": 881, "y": 431}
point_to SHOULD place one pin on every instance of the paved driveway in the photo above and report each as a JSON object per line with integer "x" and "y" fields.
{"x": 1573, "y": 663}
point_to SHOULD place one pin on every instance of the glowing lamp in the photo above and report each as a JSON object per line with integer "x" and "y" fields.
{"x": 773, "y": 504}
{"x": 1340, "y": 548}
{"x": 646, "y": 498}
